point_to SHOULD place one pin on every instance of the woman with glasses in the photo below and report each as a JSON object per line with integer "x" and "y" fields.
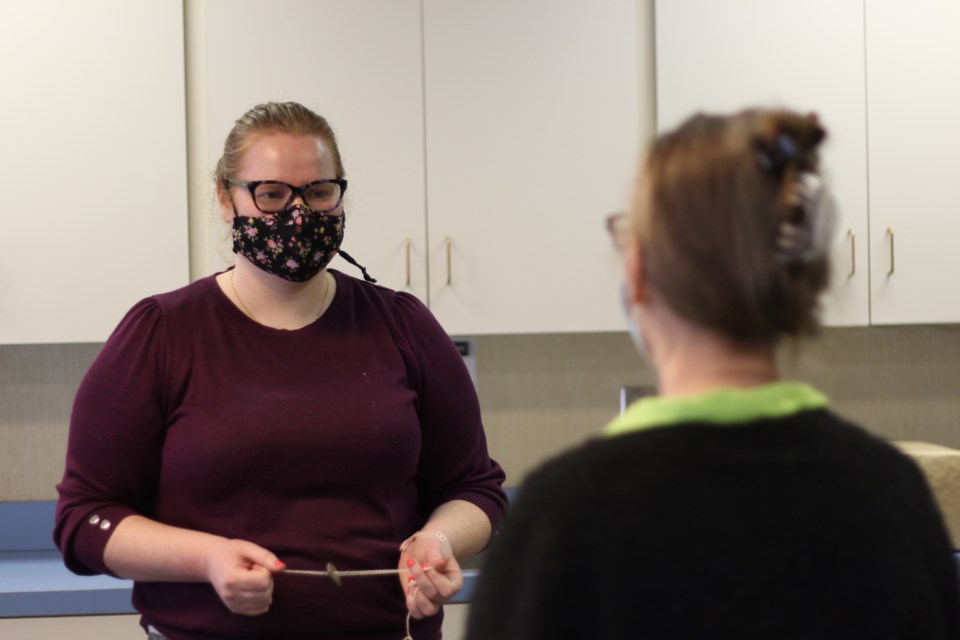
{"x": 275, "y": 418}
{"x": 734, "y": 504}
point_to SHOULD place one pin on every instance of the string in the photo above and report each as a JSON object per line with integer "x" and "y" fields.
{"x": 366, "y": 276}
{"x": 416, "y": 588}
{"x": 408, "y": 636}
{"x": 332, "y": 573}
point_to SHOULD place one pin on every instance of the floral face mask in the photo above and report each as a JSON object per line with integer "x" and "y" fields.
{"x": 294, "y": 244}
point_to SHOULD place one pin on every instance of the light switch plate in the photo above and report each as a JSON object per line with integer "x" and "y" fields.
{"x": 466, "y": 348}
{"x": 630, "y": 394}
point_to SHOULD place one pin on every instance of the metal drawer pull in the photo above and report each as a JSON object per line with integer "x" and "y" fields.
{"x": 449, "y": 242}
{"x": 406, "y": 246}
{"x": 853, "y": 253}
{"x": 890, "y": 234}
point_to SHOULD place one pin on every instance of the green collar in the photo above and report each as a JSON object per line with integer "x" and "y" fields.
{"x": 727, "y": 406}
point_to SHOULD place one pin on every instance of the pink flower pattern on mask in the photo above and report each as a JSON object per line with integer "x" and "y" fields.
{"x": 294, "y": 244}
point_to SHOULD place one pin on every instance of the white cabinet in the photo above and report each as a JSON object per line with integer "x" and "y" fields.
{"x": 484, "y": 141}
{"x": 913, "y": 90}
{"x": 807, "y": 55}
{"x": 882, "y": 75}
{"x": 357, "y": 63}
{"x": 93, "y": 171}
{"x": 532, "y": 138}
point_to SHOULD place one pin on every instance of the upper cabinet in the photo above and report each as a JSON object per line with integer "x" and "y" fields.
{"x": 532, "y": 127}
{"x": 882, "y": 76}
{"x": 807, "y": 55}
{"x": 358, "y": 63}
{"x": 913, "y": 100}
{"x": 93, "y": 171}
{"x": 484, "y": 142}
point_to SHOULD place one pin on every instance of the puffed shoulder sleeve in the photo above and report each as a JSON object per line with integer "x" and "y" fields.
{"x": 116, "y": 434}
{"x": 454, "y": 461}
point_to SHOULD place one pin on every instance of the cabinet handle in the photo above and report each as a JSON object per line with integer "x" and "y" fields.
{"x": 853, "y": 252}
{"x": 406, "y": 246}
{"x": 449, "y": 242}
{"x": 890, "y": 235}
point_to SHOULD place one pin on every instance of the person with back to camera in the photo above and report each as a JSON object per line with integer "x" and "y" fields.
{"x": 734, "y": 504}
{"x": 279, "y": 415}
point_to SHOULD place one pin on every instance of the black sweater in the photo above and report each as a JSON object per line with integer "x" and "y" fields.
{"x": 798, "y": 527}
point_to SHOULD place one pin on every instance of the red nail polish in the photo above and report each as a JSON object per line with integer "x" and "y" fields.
{"x": 410, "y": 563}
{"x": 410, "y": 579}
{"x": 280, "y": 565}
{"x": 426, "y": 567}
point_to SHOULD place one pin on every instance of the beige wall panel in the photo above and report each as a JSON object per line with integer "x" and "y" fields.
{"x": 542, "y": 393}
{"x": 128, "y": 627}
{"x": 37, "y": 386}
{"x": 73, "y": 627}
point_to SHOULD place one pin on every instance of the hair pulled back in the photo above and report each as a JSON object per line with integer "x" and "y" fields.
{"x": 273, "y": 117}
{"x": 734, "y": 223}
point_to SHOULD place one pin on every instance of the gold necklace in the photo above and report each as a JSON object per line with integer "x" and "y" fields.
{"x": 323, "y": 302}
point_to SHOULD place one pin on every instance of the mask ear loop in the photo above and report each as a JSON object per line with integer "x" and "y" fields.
{"x": 346, "y": 256}
{"x": 366, "y": 276}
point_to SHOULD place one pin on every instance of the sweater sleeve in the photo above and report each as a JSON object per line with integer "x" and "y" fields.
{"x": 454, "y": 461}
{"x": 116, "y": 435}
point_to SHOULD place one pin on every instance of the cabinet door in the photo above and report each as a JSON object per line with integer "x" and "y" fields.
{"x": 913, "y": 97}
{"x": 532, "y": 124}
{"x": 93, "y": 169}
{"x": 807, "y": 55}
{"x": 358, "y": 64}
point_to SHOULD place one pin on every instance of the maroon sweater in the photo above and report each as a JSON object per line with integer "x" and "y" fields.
{"x": 331, "y": 443}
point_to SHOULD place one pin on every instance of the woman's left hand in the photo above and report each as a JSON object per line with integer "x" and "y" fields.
{"x": 430, "y": 574}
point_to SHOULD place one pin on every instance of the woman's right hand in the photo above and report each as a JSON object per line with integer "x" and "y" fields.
{"x": 242, "y": 574}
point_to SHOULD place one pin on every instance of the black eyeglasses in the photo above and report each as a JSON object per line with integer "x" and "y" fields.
{"x": 618, "y": 226}
{"x": 272, "y": 196}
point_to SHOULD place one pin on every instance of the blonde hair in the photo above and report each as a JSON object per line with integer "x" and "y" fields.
{"x": 273, "y": 117}
{"x": 725, "y": 232}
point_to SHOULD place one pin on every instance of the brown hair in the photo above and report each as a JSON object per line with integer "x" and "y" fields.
{"x": 273, "y": 117}
{"x": 716, "y": 210}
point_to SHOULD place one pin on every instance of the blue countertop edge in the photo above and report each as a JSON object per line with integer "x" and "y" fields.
{"x": 35, "y": 583}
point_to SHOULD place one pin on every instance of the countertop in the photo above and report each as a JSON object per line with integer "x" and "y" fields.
{"x": 34, "y": 582}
